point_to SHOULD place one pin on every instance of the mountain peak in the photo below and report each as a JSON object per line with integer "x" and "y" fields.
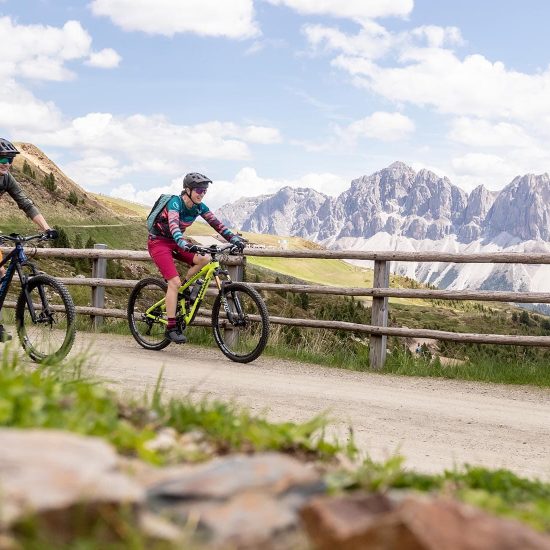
{"x": 398, "y": 165}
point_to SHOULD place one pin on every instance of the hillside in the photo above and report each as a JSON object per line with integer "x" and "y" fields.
{"x": 123, "y": 207}
{"x": 58, "y": 197}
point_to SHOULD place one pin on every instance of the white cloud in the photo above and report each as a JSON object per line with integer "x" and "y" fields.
{"x": 372, "y": 41}
{"x": 470, "y": 87}
{"x": 104, "y": 59}
{"x": 483, "y": 133}
{"x": 259, "y": 45}
{"x": 140, "y": 136}
{"x": 256, "y": 47}
{"x": 353, "y": 9}
{"x": 497, "y": 169}
{"x": 479, "y": 164}
{"x": 246, "y": 183}
{"x": 22, "y": 114}
{"x": 437, "y": 37}
{"x": 40, "y": 52}
{"x": 96, "y": 169}
{"x": 230, "y": 18}
{"x": 503, "y": 151}
{"x": 148, "y": 197}
{"x": 423, "y": 73}
{"x": 145, "y": 144}
{"x": 252, "y": 134}
{"x": 382, "y": 126}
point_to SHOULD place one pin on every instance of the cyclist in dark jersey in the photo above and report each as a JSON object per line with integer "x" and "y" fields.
{"x": 166, "y": 241}
{"x": 9, "y": 185}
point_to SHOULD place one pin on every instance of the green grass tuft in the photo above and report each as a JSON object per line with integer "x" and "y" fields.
{"x": 500, "y": 492}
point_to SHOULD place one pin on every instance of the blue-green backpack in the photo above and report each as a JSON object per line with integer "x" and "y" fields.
{"x": 161, "y": 202}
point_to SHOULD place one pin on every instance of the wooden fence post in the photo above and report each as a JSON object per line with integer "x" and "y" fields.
{"x": 377, "y": 356}
{"x": 236, "y": 272}
{"x": 99, "y": 271}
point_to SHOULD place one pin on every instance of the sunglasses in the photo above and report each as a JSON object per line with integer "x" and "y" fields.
{"x": 6, "y": 160}
{"x": 200, "y": 190}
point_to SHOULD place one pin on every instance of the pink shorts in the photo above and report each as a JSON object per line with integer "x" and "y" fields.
{"x": 164, "y": 252}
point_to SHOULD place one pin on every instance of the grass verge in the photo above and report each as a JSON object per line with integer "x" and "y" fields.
{"x": 61, "y": 397}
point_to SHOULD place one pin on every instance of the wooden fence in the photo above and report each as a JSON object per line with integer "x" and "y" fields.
{"x": 380, "y": 292}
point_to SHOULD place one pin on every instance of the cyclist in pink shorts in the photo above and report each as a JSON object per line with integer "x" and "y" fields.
{"x": 166, "y": 241}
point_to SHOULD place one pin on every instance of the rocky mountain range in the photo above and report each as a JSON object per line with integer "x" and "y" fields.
{"x": 398, "y": 208}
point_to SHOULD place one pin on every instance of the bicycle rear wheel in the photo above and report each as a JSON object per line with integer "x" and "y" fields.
{"x": 241, "y": 332}
{"x": 148, "y": 331}
{"x": 48, "y": 335}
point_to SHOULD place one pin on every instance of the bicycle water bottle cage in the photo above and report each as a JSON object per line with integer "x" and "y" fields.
{"x": 184, "y": 295}
{"x": 196, "y": 289}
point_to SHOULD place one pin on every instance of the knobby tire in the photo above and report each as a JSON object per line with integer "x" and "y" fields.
{"x": 47, "y": 339}
{"x": 148, "y": 333}
{"x": 253, "y": 301}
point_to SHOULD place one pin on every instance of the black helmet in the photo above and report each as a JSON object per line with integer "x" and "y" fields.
{"x": 7, "y": 149}
{"x": 194, "y": 179}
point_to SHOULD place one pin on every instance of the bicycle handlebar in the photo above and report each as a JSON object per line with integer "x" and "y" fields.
{"x": 15, "y": 238}
{"x": 215, "y": 249}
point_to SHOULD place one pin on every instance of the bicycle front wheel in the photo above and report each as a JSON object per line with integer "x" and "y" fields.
{"x": 147, "y": 329}
{"x": 241, "y": 324}
{"x": 47, "y": 329}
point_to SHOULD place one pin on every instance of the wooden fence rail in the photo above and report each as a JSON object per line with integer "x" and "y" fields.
{"x": 378, "y": 330}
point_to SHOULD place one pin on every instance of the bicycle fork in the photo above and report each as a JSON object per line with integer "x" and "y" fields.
{"x": 236, "y": 318}
{"x": 46, "y": 314}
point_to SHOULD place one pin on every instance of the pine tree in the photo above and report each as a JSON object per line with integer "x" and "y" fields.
{"x": 89, "y": 244}
{"x": 49, "y": 182}
{"x": 80, "y": 264}
{"x": 73, "y": 198}
{"x": 62, "y": 240}
{"x": 27, "y": 169}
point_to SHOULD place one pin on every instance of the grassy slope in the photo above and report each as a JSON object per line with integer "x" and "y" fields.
{"x": 123, "y": 207}
{"x": 333, "y": 272}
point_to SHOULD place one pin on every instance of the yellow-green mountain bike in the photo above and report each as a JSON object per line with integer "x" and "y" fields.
{"x": 240, "y": 321}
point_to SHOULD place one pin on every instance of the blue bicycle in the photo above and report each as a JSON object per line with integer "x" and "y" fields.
{"x": 44, "y": 311}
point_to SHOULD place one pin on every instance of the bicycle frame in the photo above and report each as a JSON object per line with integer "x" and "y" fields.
{"x": 210, "y": 271}
{"x": 17, "y": 259}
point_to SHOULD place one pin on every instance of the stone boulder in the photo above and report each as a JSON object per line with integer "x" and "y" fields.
{"x": 56, "y": 476}
{"x": 238, "y": 501}
{"x": 380, "y": 523}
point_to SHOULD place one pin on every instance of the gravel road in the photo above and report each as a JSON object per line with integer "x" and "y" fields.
{"x": 434, "y": 423}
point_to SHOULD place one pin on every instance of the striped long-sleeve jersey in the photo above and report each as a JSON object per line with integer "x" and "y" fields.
{"x": 175, "y": 218}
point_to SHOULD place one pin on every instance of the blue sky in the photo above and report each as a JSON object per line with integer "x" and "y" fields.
{"x": 129, "y": 95}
